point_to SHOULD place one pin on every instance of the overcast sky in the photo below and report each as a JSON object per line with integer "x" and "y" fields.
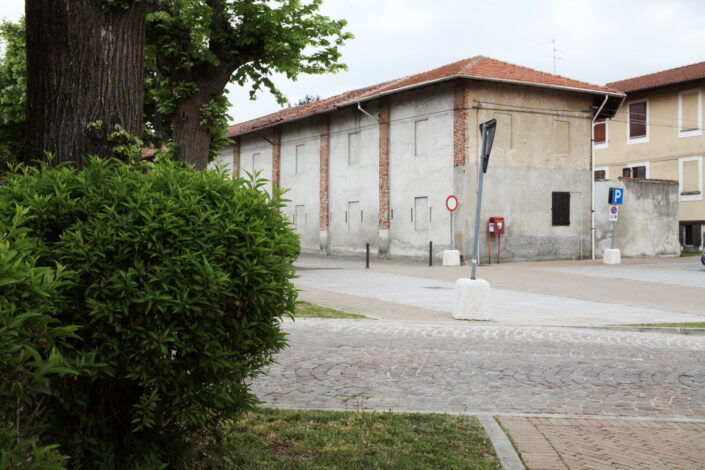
{"x": 598, "y": 41}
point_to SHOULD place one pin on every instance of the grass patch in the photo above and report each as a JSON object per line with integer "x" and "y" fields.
{"x": 690, "y": 253}
{"x": 296, "y": 439}
{"x": 676, "y": 325}
{"x": 306, "y": 310}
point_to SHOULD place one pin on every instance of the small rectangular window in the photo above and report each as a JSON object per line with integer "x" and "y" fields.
{"x": 561, "y": 208}
{"x": 353, "y": 148}
{"x": 691, "y": 178}
{"x": 299, "y": 218}
{"x": 421, "y": 138}
{"x": 354, "y": 222}
{"x": 561, "y": 137}
{"x": 299, "y": 159}
{"x": 638, "y": 172}
{"x": 600, "y": 175}
{"x": 600, "y": 132}
{"x": 421, "y": 209}
{"x": 637, "y": 119}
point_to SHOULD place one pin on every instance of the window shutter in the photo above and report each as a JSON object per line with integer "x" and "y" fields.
{"x": 561, "y": 208}
{"x": 690, "y": 177}
{"x": 689, "y": 116}
{"x": 638, "y": 172}
{"x": 627, "y": 172}
{"x": 600, "y": 134}
{"x": 637, "y": 120}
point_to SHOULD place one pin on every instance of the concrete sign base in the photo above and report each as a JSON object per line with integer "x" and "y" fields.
{"x": 611, "y": 256}
{"x": 471, "y": 299}
{"x": 451, "y": 258}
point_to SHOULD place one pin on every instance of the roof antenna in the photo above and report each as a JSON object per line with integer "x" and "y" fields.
{"x": 555, "y": 57}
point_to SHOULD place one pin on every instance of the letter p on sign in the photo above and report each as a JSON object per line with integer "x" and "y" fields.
{"x": 616, "y": 196}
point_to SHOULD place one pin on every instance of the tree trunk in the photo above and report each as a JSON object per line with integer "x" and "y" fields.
{"x": 192, "y": 140}
{"x": 85, "y": 64}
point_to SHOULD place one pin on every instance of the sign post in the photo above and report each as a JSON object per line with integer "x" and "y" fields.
{"x": 614, "y": 215}
{"x": 451, "y": 205}
{"x": 487, "y": 129}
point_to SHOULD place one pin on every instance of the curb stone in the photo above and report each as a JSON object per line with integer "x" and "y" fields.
{"x": 506, "y": 454}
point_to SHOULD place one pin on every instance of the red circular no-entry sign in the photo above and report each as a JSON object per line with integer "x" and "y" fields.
{"x": 452, "y": 203}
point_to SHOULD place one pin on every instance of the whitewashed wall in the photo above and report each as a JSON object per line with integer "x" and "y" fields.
{"x": 420, "y": 169}
{"x": 299, "y": 173}
{"x": 354, "y": 180}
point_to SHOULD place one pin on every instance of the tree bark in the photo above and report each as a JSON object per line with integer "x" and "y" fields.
{"x": 192, "y": 140}
{"x": 85, "y": 63}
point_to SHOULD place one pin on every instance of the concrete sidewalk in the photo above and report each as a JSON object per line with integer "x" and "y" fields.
{"x": 562, "y": 293}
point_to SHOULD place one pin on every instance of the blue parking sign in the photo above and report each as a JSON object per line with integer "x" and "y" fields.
{"x": 616, "y": 196}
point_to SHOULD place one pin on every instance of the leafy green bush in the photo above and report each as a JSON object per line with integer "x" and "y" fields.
{"x": 180, "y": 281}
{"x": 30, "y": 339}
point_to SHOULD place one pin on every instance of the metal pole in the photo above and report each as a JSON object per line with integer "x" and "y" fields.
{"x": 367, "y": 255}
{"x": 612, "y": 235}
{"x": 430, "y": 253}
{"x": 476, "y": 241}
{"x": 452, "y": 244}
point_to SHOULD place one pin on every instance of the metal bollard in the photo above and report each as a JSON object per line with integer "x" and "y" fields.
{"x": 367, "y": 255}
{"x": 430, "y": 253}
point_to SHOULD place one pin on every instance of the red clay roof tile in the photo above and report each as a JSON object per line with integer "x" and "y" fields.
{"x": 659, "y": 79}
{"x": 478, "y": 67}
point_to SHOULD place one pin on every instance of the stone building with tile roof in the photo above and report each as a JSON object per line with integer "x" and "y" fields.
{"x": 376, "y": 165}
{"x": 657, "y": 133}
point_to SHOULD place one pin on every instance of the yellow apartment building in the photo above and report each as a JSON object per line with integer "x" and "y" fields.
{"x": 657, "y": 133}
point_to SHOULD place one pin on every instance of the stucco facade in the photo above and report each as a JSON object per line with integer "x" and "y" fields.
{"x": 378, "y": 166}
{"x": 671, "y": 148}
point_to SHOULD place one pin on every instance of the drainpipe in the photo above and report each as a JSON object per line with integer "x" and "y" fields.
{"x": 592, "y": 176}
{"x": 365, "y": 112}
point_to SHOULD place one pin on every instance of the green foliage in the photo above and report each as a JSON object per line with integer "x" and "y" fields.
{"x": 197, "y": 46}
{"x": 13, "y": 91}
{"x": 31, "y": 341}
{"x": 179, "y": 282}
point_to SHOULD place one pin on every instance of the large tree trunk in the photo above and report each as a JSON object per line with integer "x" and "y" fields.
{"x": 85, "y": 64}
{"x": 192, "y": 140}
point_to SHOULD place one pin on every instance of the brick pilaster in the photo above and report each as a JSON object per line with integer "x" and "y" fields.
{"x": 324, "y": 152}
{"x": 384, "y": 164}
{"x": 236, "y": 159}
{"x": 460, "y": 123}
{"x": 276, "y": 154}
{"x": 383, "y": 229}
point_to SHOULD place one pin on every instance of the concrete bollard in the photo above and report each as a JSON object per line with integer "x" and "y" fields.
{"x": 611, "y": 256}
{"x": 451, "y": 258}
{"x": 472, "y": 299}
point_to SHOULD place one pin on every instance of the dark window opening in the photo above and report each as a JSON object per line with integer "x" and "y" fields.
{"x": 634, "y": 172}
{"x": 600, "y": 175}
{"x": 688, "y": 235}
{"x": 561, "y": 208}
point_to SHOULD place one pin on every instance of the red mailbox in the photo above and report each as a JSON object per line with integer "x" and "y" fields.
{"x": 495, "y": 226}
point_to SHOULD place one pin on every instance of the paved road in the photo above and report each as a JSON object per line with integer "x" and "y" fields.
{"x": 337, "y": 364}
{"x": 507, "y": 306}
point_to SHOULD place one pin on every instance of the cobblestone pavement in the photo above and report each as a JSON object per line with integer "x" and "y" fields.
{"x": 492, "y": 369}
{"x": 569, "y": 398}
